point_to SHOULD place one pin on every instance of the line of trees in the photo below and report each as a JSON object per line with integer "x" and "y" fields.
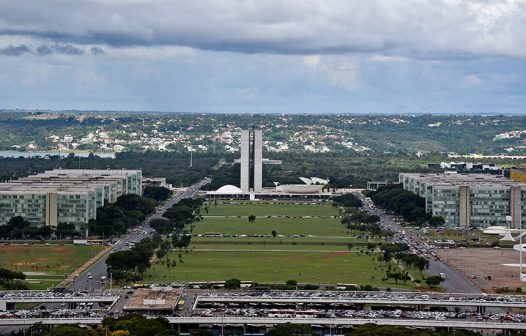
{"x": 346, "y": 201}
{"x": 20, "y": 228}
{"x": 160, "y": 194}
{"x": 403, "y": 202}
{"x": 363, "y": 222}
{"x": 131, "y": 264}
{"x": 115, "y": 219}
{"x": 185, "y": 212}
{"x": 12, "y": 280}
{"x": 413, "y": 260}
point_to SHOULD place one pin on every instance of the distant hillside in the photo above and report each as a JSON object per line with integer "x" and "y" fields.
{"x": 351, "y": 134}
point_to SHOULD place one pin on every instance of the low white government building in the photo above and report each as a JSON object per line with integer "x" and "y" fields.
{"x": 65, "y": 195}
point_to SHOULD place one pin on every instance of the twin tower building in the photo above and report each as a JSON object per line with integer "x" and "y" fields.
{"x": 251, "y": 161}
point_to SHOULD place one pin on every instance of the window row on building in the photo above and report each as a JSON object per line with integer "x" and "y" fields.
{"x": 65, "y": 195}
{"x": 470, "y": 200}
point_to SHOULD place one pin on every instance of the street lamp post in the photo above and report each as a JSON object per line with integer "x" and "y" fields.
{"x": 345, "y": 271}
{"x": 522, "y": 277}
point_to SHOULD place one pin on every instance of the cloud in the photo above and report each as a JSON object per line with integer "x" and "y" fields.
{"x": 67, "y": 49}
{"x": 472, "y": 80}
{"x": 311, "y": 60}
{"x": 409, "y": 28}
{"x": 339, "y": 71}
{"x": 18, "y": 50}
{"x": 44, "y": 50}
{"x": 97, "y": 51}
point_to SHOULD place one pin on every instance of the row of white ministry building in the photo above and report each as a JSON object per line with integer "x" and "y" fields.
{"x": 470, "y": 200}
{"x": 65, "y": 195}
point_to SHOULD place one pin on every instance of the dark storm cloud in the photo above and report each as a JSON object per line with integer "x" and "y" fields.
{"x": 66, "y": 49}
{"x": 18, "y": 50}
{"x": 44, "y": 50}
{"x": 438, "y": 28}
{"x": 97, "y": 51}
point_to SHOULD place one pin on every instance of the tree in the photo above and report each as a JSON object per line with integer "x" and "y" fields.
{"x": 251, "y": 219}
{"x": 422, "y": 264}
{"x": 137, "y": 325}
{"x": 162, "y": 225}
{"x": 436, "y": 221}
{"x": 66, "y": 230}
{"x": 274, "y": 233}
{"x": 202, "y": 332}
{"x": 68, "y": 330}
{"x": 132, "y": 202}
{"x": 288, "y": 329}
{"x": 233, "y": 284}
{"x": 157, "y": 193}
{"x": 434, "y": 280}
{"x": 8, "y": 277}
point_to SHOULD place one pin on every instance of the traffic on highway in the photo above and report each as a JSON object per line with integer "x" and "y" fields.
{"x": 96, "y": 277}
{"x": 453, "y": 280}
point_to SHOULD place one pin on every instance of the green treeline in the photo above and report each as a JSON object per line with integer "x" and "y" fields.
{"x": 403, "y": 202}
{"x": 131, "y": 265}
{"x": 116, "y": 218}
{"x": 10, "y": 280}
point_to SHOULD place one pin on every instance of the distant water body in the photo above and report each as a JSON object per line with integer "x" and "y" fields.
{"x": 32, "y": 154}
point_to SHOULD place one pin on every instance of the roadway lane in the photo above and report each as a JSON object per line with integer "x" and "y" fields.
{"x": 454, "y": 281}
{"x": 98, "y": 270}
{"x": 229, "y": 320}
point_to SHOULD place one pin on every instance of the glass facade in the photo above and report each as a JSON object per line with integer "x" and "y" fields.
{"x": 488, "y": 200}
{"x": 445, "y": 203}
{"x": 65, "y": 196}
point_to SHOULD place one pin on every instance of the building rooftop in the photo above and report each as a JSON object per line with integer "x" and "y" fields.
{"x": 153, "y": 300}
{"x": 461, "y": 179}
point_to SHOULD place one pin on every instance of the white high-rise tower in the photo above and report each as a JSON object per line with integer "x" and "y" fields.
{"x": 251, "y": 161}
{"x": 258, "y": 160}
{"x": 245, "y": 161}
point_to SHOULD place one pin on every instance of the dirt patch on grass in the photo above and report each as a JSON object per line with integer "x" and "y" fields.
{"x": 335, "y": 254}
{"x": 60, "y": 249}
{"x": 11, "y": 249}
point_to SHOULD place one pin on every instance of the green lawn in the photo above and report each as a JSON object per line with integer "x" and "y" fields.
{"x": 267, "y": 247}
{"x": 283, "y": 226}
{"x": 267, "y": 266}
{"x": 471, "y": 236}
{"x": 49, "y": 263}
{"x": 271, "y": 209}
{"x": 318, "y": 240}
{"x": 319, "y": 255}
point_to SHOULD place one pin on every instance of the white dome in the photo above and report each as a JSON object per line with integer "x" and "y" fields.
{"x": 229, "y": 189}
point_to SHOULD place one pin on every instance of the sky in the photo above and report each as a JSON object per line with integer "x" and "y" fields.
{"x": 266, "y": 56}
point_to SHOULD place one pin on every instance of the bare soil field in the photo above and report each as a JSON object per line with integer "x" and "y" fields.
{"x": 486, "y": 266}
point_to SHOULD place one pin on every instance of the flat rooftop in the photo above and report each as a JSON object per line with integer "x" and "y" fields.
{"x": 152, "y": 300}
{"x": 462, "y": 179}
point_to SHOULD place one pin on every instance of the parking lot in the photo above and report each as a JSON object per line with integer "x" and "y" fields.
{"x": 293, "y": 304}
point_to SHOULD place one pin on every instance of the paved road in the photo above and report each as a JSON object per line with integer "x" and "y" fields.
{"x": 454, "y": 281}
{"x": 220, "y": 320}
{"x": 98, "y": 270}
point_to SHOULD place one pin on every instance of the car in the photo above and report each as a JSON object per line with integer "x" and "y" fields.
{"x": 90, "y": 277}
